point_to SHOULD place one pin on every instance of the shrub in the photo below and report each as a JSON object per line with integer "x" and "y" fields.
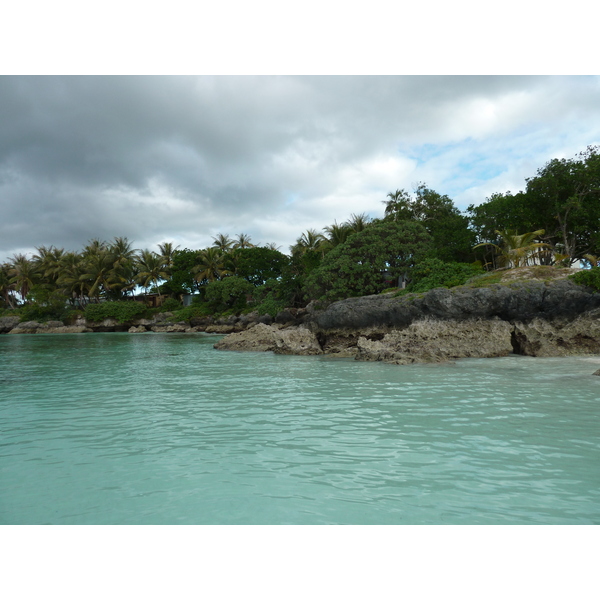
{"x": 122, "y": 311}
{"x": 170, "y": 305}
{"x": 588, "y": 277}
{"x": 433, "y": 273}
{"x": 228, "y": 295}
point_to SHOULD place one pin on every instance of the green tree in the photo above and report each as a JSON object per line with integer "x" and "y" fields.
{"x": 7, "y": 287}
{"x": 229, "y": 294}
{"x": 210, "y": 266}
{"x": 151, "y": 269}
{"x": 257, "y": 265}
{"x": 517, "y": 250}
{"x": 448, "y": 227}
{"x": 370, "y": 261}
{"x": 23, "y": 274}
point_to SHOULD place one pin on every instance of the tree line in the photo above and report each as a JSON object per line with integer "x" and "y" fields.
{"x": 555, "y": 220}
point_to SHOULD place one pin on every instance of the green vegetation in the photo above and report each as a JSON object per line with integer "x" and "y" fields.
{"x": 423, "y": 241}
{"x": 589, "y": 278}
{"x": 433, "y": 273}
{"x": 122, "y": 311}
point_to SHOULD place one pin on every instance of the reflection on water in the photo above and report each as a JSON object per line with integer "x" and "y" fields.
{"x": 152, "y": 428}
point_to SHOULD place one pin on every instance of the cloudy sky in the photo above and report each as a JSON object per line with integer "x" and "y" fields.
{"x": 182, "y": 159}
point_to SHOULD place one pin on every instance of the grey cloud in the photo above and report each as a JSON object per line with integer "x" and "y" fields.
{"x": 155, "y": 158}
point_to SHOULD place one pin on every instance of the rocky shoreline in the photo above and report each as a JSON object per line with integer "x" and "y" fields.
{"x": 533, "y": 318}
{"x": 530, "y": 317}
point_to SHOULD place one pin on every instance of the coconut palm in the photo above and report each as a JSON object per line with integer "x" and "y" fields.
{"x": 47, "y": 261}
{"x": 23, "y": 273}
{"x": 358, "y": 223}
{"x": 223, "y": 242}
{"x": 167, "y": 252}
{"x": 99, "y": 265}
{"x": 243, "y": 241}
{"x": 517, "y": 250}
{"x": 73, "y": 280}
{"x": 6, "y": 287}
{"x": 337, "y": 234}
{"x": 210, "y": 266}
{"x": 151, "y": 269}
{"x": 309, "y": 240}
{"x": 122, "y": 275}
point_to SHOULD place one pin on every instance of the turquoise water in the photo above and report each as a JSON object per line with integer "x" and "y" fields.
{"x": 163, "y": 429}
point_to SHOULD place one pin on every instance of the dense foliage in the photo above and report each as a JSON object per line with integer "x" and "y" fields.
{"x": 122, "y": 311}
{"x": 423, "y": 241}
{"x": 590, "y": 278}
{"x": 433, "y": 273}
{"x": 370, "y": 261}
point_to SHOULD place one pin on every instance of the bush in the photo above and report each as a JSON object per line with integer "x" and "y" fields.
{"x": 122, "y": 311}
{"x": 434, "y": 273}
{"x": 170, "y": 305}
{"x": 588, "y": 277}
{"x": 228, "y": 295}
{"x": 270, "y": 305}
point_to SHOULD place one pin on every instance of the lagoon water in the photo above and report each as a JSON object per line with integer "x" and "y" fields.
{"x": 163, "y": 429}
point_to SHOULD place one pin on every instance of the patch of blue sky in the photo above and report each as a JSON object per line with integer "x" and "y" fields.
{"x": 291, "y": 198}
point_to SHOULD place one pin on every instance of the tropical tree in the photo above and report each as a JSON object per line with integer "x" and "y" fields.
{"x": 123, "y": 274}
{"x": 223, "y": 242}
{"x": 6, "y": 286}
{"x": 517, "y": 250}
{"x": 167, "y": 253}
{"x": 370, "y": 261}
{"x": 243, "y": 241}
{"x": 310, "y": 240}
{"x": 448, "y": 227}
{"x": 358, "y": 223}
{"x": 336, "y": 234}
{"x": 151, "y": 269}
{"x": 99, "y": 264}
{"x": 23, "y": 273}
{"x": 210, "y": 266}
{"x": 73, "y": 279}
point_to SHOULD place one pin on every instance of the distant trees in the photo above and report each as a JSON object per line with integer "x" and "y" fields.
{"x": 449, "y": 228}
{"x": 422, "y": 236}
{"x": 563, "y": 199}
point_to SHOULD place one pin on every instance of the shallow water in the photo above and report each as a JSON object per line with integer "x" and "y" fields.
{"x": 162, "y": 429}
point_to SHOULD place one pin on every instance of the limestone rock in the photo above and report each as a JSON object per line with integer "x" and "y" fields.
{"x": 265, "y": 338}
{"x": 138, "y": 329}
{"x": 8, "y": 323}
{"x": 170, "y": 328}
{"x": 431, "y": 340}
{"x": 559, "y": 337}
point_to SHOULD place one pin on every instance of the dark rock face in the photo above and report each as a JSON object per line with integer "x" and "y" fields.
{"x": 515, "y": 302}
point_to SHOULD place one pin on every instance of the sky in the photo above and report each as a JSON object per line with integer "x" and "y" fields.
{"x": 184, "y": 158}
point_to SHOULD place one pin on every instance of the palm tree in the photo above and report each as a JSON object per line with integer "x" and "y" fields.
{"x": 6, "y": 287}
{"x": 223, "y": 242}
{"x": 24, "y": 274}
{"x": 99, "y": 264}
{"x": 151, "y": 268}
{"x": 517, "y": 250}
{"x": 122, "y": 275}
{"x": 358, "y": 223}
{"x": 309, "y": 240}
{"x": 73, "y": 279}
{"x": 210, "y": 266}
{"x": 47, "y": 261}
{"x": 243, "y": 241}
{"x": 337, "y": 234}
{"x": 167, "y": 252}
